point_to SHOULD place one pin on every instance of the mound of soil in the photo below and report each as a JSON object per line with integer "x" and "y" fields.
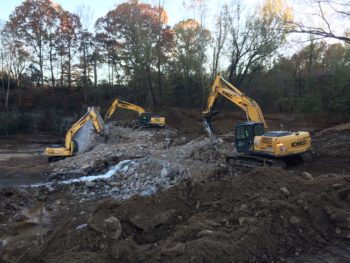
{"x": 265, "y": 215}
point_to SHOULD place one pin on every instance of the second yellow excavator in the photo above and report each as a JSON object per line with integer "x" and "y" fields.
{"x": 70, "y": 146}
{"x": 147, "y": 119}
{"x": 254, "y": 146}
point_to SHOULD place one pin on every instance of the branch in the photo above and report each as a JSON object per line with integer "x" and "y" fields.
{"x": 323, "y": 17}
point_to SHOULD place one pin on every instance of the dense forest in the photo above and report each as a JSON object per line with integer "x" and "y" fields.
{"x": 58, "y": 61}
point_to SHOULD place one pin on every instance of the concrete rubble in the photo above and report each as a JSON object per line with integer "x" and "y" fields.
{"x": 158, "y": 160}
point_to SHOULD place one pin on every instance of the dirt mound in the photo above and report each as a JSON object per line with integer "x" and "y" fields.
{"x": 340, "y": 127}
{"x": 264, "y": 215}
{"x": 334, "y": 143}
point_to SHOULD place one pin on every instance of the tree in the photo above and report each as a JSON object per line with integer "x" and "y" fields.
{"x": 67, "y": 42}
{"x": 86, "y": 44}
{"x": 188, "y": 60}
{"x": 326, "y": 12}
{"x": 130, "y": 34}
{"x": 32, "y": 22}
{"x": 19, "y": 61}
{"x": 2, "y": 53}
{"x": 220, "y": 34}
{"x": 254, "y": 38}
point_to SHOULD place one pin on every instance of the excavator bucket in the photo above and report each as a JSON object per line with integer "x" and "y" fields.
{"x": 209, "y": 129}
{"x": 87, "y": 137}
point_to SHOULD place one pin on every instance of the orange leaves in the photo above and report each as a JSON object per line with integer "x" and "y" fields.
{"x": 187, "y": 24}
{"x": 277, "y": 8}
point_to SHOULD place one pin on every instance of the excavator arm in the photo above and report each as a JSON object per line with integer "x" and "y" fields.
{"x": 91, "y": 115}
{"x": 230, "y": 92}
{"x": 124, "y": 105}
{"x": 68, "y": 148}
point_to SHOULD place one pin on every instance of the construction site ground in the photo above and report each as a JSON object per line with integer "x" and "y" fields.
{"x": 167, "y": 195}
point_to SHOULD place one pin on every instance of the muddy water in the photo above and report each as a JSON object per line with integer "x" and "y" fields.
{"x": 19, "y": 179}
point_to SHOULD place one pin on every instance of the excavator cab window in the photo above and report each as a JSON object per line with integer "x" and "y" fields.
{"x": 259, "y": 129}
{"x": 145, "y": 118}
{"x": 244, "y": 137}
{"x": 245, "y": 133}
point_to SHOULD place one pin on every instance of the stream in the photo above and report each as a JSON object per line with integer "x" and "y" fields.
{"x": 40, "y": 180}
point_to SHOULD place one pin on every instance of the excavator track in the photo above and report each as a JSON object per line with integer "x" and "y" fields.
{"x": 248, "y": 160}
{"x": 255, "y": 161}
{"x": 53, "y": 159}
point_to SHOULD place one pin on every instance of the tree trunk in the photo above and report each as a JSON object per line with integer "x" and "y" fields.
{"x": 160, "y": 81}
{"x": 62, "y": 72}
{"x": 153, "y": 97}
{"x": 51, "y": 67}
{"x": 18, "y": 84}
{"x": 69, "y": 67}
{"x": 95, "y": 72}
{"x": 159, "y": 55}
{"x": 41, "y": 62}
{"x": 109, "y": 74}
{"x": 7, "y": 93}
{"x": 84, "y": 73}
{"x": 2, "y": 72}
{"x": 112, "y": 74}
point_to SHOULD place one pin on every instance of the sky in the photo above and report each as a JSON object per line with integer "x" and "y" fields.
{"x": 177, "y": 12}
{"x": 175, "y": 8}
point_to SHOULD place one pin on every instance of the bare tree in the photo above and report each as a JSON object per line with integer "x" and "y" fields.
{"x": 19, "y": 62}
{"x": 2, "y": 54}
{"x": 220, "y": 34}
{"x": 86, "y": 43}
{"x": 8, "y": 59}
{"x": 199, "y": 8}
{"x": 159, "y": 51}
{"x": 253, "y": 38}
{"x": 325, "y": 10}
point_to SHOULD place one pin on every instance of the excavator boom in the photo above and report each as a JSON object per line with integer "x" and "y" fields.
{"x": 124, "y": 105}
{"x": 226, "y": 89}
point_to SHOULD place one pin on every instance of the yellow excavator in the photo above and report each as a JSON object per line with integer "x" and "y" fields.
{"x": 71, "y": 146}
{"x": 147, "y": 119}
{"x": 254, "y": 146}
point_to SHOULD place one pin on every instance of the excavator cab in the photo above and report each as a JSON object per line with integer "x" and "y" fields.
{"x": 145, "y": 118}
{"x": 148, "y": 119}
{"x": 245, "y": 134}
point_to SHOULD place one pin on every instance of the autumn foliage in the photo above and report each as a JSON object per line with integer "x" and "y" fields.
{"x": 133, "y": 52}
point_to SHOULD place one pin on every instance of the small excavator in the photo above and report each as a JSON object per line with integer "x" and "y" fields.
{"x": 146, "y": 119}
{"x": 254, "y": 146}
{"x": 71, "y": 146}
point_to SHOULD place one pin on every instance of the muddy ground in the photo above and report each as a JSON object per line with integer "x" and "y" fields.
{"x": 168, "y": 196}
